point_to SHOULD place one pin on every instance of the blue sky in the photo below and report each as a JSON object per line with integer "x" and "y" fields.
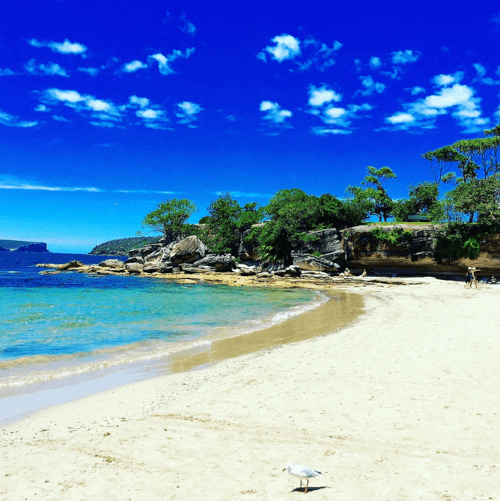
{"x": 109, "y": 107}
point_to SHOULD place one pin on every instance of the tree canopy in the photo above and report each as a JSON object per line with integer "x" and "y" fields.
{"x": 170, "y": 216}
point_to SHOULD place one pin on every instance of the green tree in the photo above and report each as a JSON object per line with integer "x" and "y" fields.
{"x": 170, "y": 217}
{"x": 475, "y": 195}
{"x": 374, "y": 198}
{"x": 291, "y": 212}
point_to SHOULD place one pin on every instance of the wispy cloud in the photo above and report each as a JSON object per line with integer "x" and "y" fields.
{"x": 244, "y": 194}
{"x": 405, "y": 56}
{"x": 480, "y": 77}
{"x": 320, "y": 102}
{"x": 13, "y": 121}
{"x": 91, "y": 71}
{"x": 274, "y": 113}
{"x": 134, "y": 66}
{"x": 8, "y": 182}
{"x": 187, "y": 26}
{"x": 6, "y": 72}
{"x": 417, "y": 90}
{"x": 104, "y": 113}
{"x": 370, "y": 86}
{"x": 165, "y": 61}
{"x": 188, "y": 113}
{"x": 50, "y": 69}
{"x": 287, "y": 47}
{"x": 452, "y": 98}
{"x": 65, "y": 47}
{"x": 375, "y": 63}
{"x": 152, "y": 116}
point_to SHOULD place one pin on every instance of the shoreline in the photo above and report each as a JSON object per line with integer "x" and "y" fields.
{"x": 57, "y": 381}
{"x": 401, "y": 404}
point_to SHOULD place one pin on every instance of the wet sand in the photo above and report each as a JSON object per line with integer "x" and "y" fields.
{"x": 400, "y": 404}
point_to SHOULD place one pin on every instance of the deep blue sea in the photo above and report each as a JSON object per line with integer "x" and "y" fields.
{"x": 55, "y": 326}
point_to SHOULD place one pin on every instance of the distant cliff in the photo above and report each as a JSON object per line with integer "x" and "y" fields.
{"x": 122, "y": 246}
{"x": 22, "y": 246}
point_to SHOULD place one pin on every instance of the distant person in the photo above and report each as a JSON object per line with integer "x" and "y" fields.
{"x": 347, "y": 272}
{"x": 363, "y": 274}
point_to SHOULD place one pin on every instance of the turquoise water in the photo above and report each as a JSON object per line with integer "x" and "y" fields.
{"x": 53, "y": 326}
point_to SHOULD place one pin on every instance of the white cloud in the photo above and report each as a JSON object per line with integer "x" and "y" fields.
{"x": 13, "y": 121}
{"x": 59, "y": 118}
{"x": 286, "y": 47}
{"x": 103, "y": 112}
{"x": 8, "y": 182}
{"x": 42, "y": 108}
{"x": 274, "y": 113}
{"x": 321, "y": 95}
{"x": 188, "y": 113}
{"x": 405, "y": 57}
{"x": 314, "y": 54}
{"x": 186, "y": 26}
{"x": 417, "y": 90}
{"x": 481, "y": 72}
{"x": 375, "y": 62}
{"x": 164, "y": 61}
{"x": 457, "y": 100}
{"x": 325, "y": 131}
{"x": 50, "y": 69}
{"x": 370, "y": 86}
{"x": 399, "y": 118}
{"x": 150, "y": 114}
{"x": 142, "y": 102}
{"x": 65, "y": 47}
{"x": 134, "y": 66}
{"x": 6, "y": 72}
{"x": 443, "y": 80}
{"x": 91, "y": 71}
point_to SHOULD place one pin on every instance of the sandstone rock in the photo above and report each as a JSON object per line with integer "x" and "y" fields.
{"x": 144, "y": 251}
{"x": 71, "y": 265}
{"x": 134, "y": 259}
{"x": 134, "y": 267}
{"x": 189, "y": 250}
{"x": 326, "y": 242}
{"x": 152, "y": 268}
{"x": 219, "y": 262}
{"x": 313, "y": 263}
{"x": 292, "y": 271}
{"x": 112, "y": 263}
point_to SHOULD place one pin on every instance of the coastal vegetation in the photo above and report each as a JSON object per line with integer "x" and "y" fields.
{"x": 466, "y": 211}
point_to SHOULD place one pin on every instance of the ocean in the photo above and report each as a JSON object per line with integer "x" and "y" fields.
{"x": 72, "y": 330}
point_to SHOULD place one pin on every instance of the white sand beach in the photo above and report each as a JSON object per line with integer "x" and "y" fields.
{"x": 402, "y": 404}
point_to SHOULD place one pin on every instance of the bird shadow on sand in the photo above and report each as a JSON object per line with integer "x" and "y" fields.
{"x": 310, "y": 489}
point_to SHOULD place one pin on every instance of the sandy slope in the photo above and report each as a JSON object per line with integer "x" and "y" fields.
{"x": 403, "y": 404}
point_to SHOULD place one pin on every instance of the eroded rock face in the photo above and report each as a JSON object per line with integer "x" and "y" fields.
{"x": 189, "y": 250}
{"x": 134, "y": 259}
{"x": 134, "y": 268}
{"x": 218, "y": 262}
{"x": 71, "y": 265}
{"x": 112, "y": 263}
{"x": 306, "y": 262}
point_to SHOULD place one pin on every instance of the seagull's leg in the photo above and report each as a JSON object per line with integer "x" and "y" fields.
{"x": 301, "y": 483}
{"x": 307, "y": 485}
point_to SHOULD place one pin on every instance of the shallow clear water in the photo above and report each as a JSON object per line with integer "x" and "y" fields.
{"x": 57, "y": 322}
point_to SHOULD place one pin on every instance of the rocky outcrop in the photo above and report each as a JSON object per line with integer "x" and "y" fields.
{"x": 112, "y": 263}
{"x": 415, "y": 255}
{"x": 189, "y": 250}
{"x": 218, "y": 262}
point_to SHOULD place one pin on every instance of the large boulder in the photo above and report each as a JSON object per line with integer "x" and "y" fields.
{"x": 189, "y": 250}
{"x": 134, "y": 268}
{"x": 306, "y": 262}
{"x": 112, "y": 263}
{"x": 145, "y": 251}
{"x": 218, "y": 262}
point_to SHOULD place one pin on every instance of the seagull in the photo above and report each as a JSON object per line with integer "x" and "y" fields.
{"x": 302, "y": 472}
